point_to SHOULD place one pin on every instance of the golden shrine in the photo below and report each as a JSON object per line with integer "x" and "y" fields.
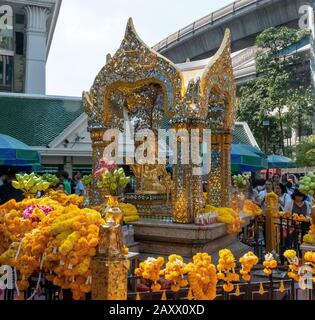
{"x": 140, "y": 85}
{"x": 148, "y": 87}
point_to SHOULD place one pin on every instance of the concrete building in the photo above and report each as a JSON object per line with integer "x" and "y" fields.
{"x": 26, "y": 32}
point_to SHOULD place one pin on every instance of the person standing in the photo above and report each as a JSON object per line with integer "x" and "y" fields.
{"x": 79, "y": 187}
{"x": 292, "y": 184}
{"x": 253, "y": 195}
{"x": 300, "y": 206}
{"x": 268, "y": 188}
{"x": 276, "y": 180}
{"x": 64, "y": 178}
{"x": 284, "y": 197}
{"x": 8, "y": 192}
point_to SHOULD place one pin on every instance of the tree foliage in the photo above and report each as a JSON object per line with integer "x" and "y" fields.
{"x": 305, "y": 152}
{"x": 276, "y": 94}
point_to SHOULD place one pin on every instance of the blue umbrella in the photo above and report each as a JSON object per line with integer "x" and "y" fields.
{"x": 16, "y": 153}
{"x": 277, "y": 161}
{"x": 245, "y": 158}
{"x": 257, "y": 151}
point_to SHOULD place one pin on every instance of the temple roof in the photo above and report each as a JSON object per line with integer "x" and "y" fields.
{"x": 38, "y": 120}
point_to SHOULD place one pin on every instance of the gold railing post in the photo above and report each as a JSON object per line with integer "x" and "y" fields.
{"x": 271, "y": 201}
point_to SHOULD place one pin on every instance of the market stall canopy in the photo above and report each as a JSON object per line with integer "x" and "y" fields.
{"x": 16, "y": 153}
{"x": 246, "y": 158}
{"x": 277, "y": 161}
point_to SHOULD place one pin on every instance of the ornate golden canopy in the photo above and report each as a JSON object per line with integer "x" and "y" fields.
{"x": 134, "y": 68}
{"x": 138, "y": 83}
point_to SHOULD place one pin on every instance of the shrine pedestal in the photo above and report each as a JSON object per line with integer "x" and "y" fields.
{"x": 151, "y": 205}
{"x": 109, "y": 278}
{"x": 159, "y": 238}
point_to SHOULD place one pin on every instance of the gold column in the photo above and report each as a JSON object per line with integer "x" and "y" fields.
{"x": 226, "y": 169}
{"x": 180, "y": 195}
{"x": 219, "y": 179}
{"x": 195, "y": 185}
{"x": 214, "y": 177}
{"x": 98, "y": 146}
{"x": 187, "y": 197}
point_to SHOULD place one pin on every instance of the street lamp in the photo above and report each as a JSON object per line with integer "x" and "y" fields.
{"x": 266, "y": 124}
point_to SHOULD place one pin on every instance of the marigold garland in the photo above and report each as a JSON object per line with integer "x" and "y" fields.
{"x": 202, "y": 277}
{"x": 295, "y": 217}
{"x": 310, "y": 237}
{"x": 228, "y": 216}
{"x": 247, "y": 261}
{"x": 293, "y": 260}
{"x": 175, "y": 272}
{"x": 251, "y": 208}
{"x": 130, "y": 212}
{"x": 271, "y": 199}
{"x": 226, "y": 268}
{"x": 270, "y": 263}
{"x": 44, "y": 235}
{"x": 150, "y": 269}
{"x": 309, "y": 258}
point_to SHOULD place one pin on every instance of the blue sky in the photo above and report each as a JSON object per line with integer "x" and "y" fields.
{"x": 87, "y": 30}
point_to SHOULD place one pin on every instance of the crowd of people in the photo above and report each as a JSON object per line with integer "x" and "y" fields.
{"x": 291, "y": 200}
{"x": 66, "y": 184}
{"x": 71, "y": 186}
{"x": 286, "y": 188}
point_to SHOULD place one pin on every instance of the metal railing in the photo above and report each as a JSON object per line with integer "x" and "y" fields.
{"x": 247, "y": 290}
{"x": 211, "y": 18}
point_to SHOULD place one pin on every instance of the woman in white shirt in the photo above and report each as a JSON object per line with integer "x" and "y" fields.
{"x": 284, "y": 197}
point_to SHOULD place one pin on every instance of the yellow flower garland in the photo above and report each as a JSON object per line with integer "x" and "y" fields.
{"x": 226, "y": 270}
{"x": 309, "y": 258}
{"x": 202, "y": 277}
{"x": 130, "y": 212}
{"x": 61, "y": 243}
{"x": 150, "y": 269}
{"x": 247, "y": 261}
{"x": 175, "y": 271}
{"x": 293, "y": 260}
{"x": 228, "y": 216}
{"x": 251, "y": 208}
{"x": 310, "y": 237}
{"x": 270, "y": 263}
